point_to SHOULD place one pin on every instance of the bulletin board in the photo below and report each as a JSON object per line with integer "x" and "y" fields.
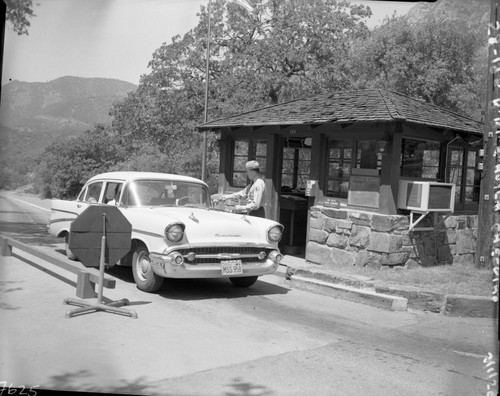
{"x": 364, "y": 188}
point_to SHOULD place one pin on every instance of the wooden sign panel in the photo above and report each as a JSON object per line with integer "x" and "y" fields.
{"x": 364, "y": 190}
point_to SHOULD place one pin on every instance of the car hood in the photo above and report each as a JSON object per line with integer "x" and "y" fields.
{"x": 203, "y": 226}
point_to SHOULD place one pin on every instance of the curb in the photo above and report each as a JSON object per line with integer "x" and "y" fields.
{"x": 471, "y": 306}
{"x": 447, "y": 304}
{"x": 349, "y": 293}
{"x": 357, "y": 281}
{"x": 422, "y": 300}
{"x": 362, "y": 289}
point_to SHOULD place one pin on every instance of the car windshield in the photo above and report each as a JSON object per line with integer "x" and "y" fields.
{"x": 165, "y": 193}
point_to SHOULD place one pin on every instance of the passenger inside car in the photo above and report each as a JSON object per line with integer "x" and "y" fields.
{"x": 116, "y": 194}
{"x": 93, "y": 193}
{"x": 167, "y": 196}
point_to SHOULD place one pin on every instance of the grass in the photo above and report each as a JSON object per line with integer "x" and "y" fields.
{"x": 451, "y": 279}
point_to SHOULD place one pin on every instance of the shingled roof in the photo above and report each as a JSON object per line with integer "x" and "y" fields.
{"x": 372, "y": 105}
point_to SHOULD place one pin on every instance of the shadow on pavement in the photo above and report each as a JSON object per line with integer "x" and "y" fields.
{"x": 193, "y": 289}
{"x": 66, "y": 280}
{"x": 5, "y": 288}
{"x": 46, "y": 270}
{"x": 242, "y": 388}
{"x": 204, "y": 289}
{"x": 31, "y": 233}
{"x": 79, "y": 381}
{"x": 201, "y": 289}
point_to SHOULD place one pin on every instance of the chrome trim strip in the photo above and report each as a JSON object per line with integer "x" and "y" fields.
{"x": 224, "y": 256}
{"x": 147, "y": 233}
{"x": 59, "y": 221}
{"x": 219, "y": 245}
{"x": 262, "y": 245}
{"x": 63, "y": 211}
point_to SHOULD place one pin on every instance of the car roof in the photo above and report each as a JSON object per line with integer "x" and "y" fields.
{"x": 132, "y": 175}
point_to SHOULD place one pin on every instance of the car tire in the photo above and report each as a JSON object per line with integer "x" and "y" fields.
{"x": 69, "y": 253}
{"x": 244, "y": 281}
{"x": 144, "y": 276}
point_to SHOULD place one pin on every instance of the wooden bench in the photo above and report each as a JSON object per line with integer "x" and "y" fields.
{"x": 87, "y": 278}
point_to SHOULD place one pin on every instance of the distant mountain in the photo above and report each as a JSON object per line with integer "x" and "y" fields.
{"x": 62, "y": 106}
{"x": 35, "y": 115}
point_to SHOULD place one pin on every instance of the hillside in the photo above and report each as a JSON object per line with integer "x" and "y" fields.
{"x": 35, "y": 115}
{"x": 62, "y": 106}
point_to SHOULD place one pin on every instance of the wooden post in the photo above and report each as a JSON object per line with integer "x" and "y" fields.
{"x": 389, "y": 178}
{"x": 223, "y": 167}
{"x": 273, "y": 174}
{"x": 85, "y": 288}
{"x": 491, "y": 125}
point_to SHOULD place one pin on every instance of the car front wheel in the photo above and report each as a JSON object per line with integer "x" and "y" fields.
{"x": 244, "y": 281}
{"x": 144, "y": 276}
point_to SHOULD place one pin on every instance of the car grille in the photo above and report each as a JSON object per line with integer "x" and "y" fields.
{"x": 216, "y": 254}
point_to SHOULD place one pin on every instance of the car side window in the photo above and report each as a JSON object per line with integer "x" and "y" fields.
{"x": 112, "y": 193}
{"x": 82, "y": 194}
{"x": 93, "y": 192}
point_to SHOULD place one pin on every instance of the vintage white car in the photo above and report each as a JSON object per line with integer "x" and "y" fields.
{"x": 175, "y": 231}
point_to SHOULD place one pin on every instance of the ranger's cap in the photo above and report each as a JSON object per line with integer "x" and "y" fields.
{"x": 252, "y": 165}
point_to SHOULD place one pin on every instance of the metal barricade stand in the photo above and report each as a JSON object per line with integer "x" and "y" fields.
{"x": 87, "y": 307}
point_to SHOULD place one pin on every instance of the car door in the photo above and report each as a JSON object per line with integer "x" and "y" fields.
{"x": 64, "y": 212}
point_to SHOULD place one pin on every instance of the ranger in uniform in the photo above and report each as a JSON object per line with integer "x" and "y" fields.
{"x": 253, "y": 193}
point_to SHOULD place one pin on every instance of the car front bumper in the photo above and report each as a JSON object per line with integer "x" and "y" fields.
{"x": 170, "y": 265}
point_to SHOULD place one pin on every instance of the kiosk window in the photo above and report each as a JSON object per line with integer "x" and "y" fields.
{"x": 420, "y": 159}
{"x": 463, "y": 171}
{"x": 472, "y": 178}
{"x": 339, "y": 167}
{"x": 296, "y": 167}
{"x": 245, "y": 150}
{"x": 345, "y": 154}
{"x": 368, "y": 154}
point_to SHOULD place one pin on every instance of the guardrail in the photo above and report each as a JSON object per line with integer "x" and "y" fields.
{"x": 87, "y": 278}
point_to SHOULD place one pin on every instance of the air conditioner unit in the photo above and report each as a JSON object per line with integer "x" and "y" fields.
{"x": 426, "y": 196}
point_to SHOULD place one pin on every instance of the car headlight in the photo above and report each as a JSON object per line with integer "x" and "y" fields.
{"x": 174, "y": 232}
{"x": 275, "y": 233}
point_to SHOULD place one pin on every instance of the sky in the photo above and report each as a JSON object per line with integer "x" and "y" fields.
{"x": 110, "y": 38}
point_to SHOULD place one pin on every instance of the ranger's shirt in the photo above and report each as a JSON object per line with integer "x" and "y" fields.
{"x": 254, "y": 194}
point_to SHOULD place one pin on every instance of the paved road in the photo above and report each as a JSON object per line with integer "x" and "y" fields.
{"x": 206, "y": 337}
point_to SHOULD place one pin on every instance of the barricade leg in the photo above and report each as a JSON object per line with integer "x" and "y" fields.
{"x": 85, "y": 307}
{"x": 6, "y": 248}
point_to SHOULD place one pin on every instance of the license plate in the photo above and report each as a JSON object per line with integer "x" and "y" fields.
{"x": 232, "y": 267}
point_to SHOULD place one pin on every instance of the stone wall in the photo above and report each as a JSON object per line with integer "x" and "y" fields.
{"x": 346, "y": 237}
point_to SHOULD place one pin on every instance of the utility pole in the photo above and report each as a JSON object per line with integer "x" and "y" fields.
{"x": 487, "y": 196}
{"x": 205, "y": 117}
{"x": 250, "y": 9}
{"x": 3, "y": 17}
